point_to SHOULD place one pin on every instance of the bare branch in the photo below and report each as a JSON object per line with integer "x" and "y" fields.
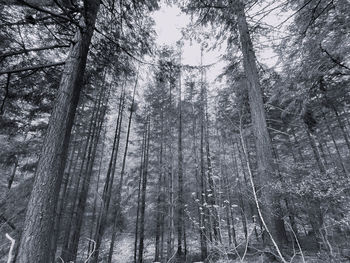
{"x": 31, "y": 68}
{"x": 13, "y": 241}
{"x": 336, "y": 61}
{"x": 18, "y": 52}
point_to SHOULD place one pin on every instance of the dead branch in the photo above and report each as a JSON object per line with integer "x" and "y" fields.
{"x": 13, "y": 241}
{"x": 31, "y": 68}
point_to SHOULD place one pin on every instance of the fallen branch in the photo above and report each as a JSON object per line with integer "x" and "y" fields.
{"x": 13, "y": 241}
{"x": 93, "y": 250}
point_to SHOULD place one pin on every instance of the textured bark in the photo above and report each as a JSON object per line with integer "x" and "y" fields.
{"x": 39, "y": 222}
{"x": 262, "y": 140}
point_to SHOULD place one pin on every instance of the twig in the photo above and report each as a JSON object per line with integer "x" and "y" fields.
{"x": 336, "y": 61}
{"x": 93, "y": 250}
{"x": 12, "y": 240}
{"x": 172, "y": 257}
{"x": 296, "y": 239}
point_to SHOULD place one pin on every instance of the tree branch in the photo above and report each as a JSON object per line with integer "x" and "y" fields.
{"x": 31, "y": 68}
{"x": 18, "y": 52}
{"x": 336, "y": 61}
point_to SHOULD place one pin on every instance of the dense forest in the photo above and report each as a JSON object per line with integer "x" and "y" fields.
{"x": 114, "y": 149}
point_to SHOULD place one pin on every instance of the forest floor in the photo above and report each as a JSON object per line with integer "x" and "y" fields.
{"x": 125, "y": 247}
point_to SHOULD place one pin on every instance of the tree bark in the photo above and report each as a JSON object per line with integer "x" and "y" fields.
{"x": 39, "y": 222}
{"x": 262, "y": 139}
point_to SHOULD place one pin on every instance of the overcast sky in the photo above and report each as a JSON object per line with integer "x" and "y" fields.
{"x": 169, "y": 22}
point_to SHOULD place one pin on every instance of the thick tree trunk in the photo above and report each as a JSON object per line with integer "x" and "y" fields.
{"x": 262, "y": 139}
{"x": 36, "y": 237}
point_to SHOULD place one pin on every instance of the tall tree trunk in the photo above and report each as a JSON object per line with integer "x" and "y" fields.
{"x": 262, "y": 139}
{"x": 252, "y": 208}
{"x": 143, "y": 146}
{"x": 60, "y": 206}
{"x": 108, "y": 186}
{"x": 92, "y": 245}
{"x": 180, "y": 206}
{"x": 143, "y": 192}
{"x": 76, "y": 180}
{"x": 160, "y": 202}
{"x": 82, "y": 199}
{"x": 330, "y": 131}
{"x": 38, "y": 226}
{"x": 117, "y": 205}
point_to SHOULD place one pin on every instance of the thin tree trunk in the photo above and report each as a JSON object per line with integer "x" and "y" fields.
{"x": 108, "y": 186}
{"x": 180, "y": 207}
{"x": 330, "y": 131}
{"x": 160, "y": 195}
{"x": 71, "y": 211}
{"x": 96, "y": 195}
{"x": 143, "y": 146}
{"x": 143, "y": 193}
{"x": 78, "y": 220}
{"x": 117, "y": 205}
{"x": 13, "y": 174}
{"x": 62, "y": 197}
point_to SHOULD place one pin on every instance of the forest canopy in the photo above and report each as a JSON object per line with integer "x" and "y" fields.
{"x": 174, "y": 131}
